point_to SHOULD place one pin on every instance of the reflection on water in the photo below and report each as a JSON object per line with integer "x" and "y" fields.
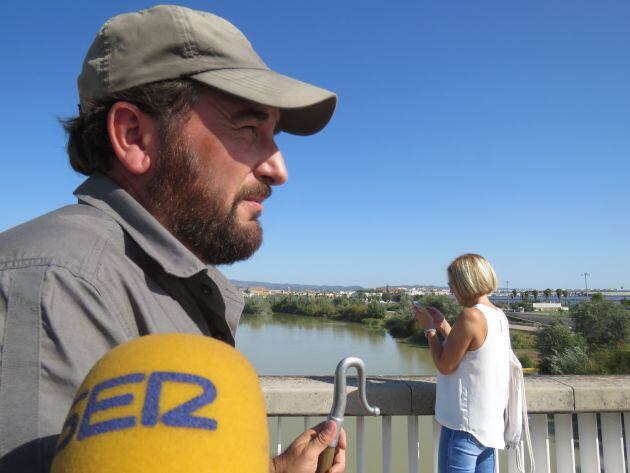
{"x": 287, "y": 344}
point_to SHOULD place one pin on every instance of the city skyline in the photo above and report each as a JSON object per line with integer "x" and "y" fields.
{"x": 494, "y": 128}
{"x": 393, "y": 287}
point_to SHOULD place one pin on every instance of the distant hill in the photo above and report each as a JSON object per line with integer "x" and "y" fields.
{"x": 294, "y": 287}
{"x": 314, "y": 287}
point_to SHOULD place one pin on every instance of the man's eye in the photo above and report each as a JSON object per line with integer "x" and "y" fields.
{"x": 249, "y": 128}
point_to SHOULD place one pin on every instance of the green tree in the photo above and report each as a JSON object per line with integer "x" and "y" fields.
{"x": 257, "y": 305}
{"x": 525, "y": 296}
{"x": 602, "y": 323}
{"x": 555, "y": 342}
{"x": 376, "y": 310}
{"x": 445, "y": 304}
{"x": 404, "y": 307}
{"x": 547, "y": 292}
{"x": 514, "y": 293}
{"x": 597, "y": 297}
{"x": 535, "y": 294}
{"x": 400, "y": 326}
{"x": 559, "y": 295}
{"x": 566, "y": 293}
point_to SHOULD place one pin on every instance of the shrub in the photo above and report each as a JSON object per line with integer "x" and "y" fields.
{"x": 602, "y": 323}
{"x": 373, "y": 323}
{"x": 554, "y": 341}
{"x": 527, "y": 306}
{"x": 597, "y": 297}
{"x": 526, "y": 361}
{"x": 376, "y": 310}
{"x": 613, "y": 360}
{"x": 570, "y": 360}
{"x": 257, "y": 305}
{"x": 400, "y": 326}
{"x": 418, "y": 337}
{"x": 520, "y": 340}
{"x": 353, "y": 311}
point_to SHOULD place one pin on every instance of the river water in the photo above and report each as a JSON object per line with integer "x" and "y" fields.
{"x": 285, "y": 344}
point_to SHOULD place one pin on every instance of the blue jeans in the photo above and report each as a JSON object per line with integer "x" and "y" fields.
{"x": 461, "y": 452}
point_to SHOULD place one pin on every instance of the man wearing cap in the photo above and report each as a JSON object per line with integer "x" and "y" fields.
{"x": 175, "y": 132}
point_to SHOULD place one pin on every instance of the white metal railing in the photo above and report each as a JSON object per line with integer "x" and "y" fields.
{"x": 578, "y": 424}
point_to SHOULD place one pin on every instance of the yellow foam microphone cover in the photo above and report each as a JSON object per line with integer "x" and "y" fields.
{"x": 167, "y": 403}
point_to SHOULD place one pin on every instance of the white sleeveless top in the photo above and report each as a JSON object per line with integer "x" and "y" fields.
{"x": 474, "y": 396}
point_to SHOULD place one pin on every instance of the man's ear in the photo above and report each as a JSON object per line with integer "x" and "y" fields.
{"x": 134, "y": 137}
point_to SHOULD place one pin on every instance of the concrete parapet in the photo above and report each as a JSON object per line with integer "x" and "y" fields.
{"x": 313, "y": 395}
{"x": 404, "y": 395}
{"x": 598, "y": 393}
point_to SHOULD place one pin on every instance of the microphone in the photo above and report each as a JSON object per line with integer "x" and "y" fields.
{"x": 166, "y": 403}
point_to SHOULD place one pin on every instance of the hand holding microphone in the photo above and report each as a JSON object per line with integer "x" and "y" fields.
{"x": 302, "y": 455}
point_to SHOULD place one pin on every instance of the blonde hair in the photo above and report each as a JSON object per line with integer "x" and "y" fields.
{"x": 471, "y": 276}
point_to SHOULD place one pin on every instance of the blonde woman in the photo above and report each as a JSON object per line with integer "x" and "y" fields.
{"x": 472, "y": 382}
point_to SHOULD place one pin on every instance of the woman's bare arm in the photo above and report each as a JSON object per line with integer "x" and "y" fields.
{"x": 470, "y": 327}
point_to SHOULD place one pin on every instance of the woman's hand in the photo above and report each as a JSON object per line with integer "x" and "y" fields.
{"x": 423, "y": 317}
{"x": 439, "y": 321}
{"x": 436, "y": 315}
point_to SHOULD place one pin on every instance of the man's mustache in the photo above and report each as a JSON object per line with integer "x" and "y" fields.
{"x": 258, "y": 191}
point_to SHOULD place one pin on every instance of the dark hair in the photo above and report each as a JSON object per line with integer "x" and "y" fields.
{"x": 89, "y": 148}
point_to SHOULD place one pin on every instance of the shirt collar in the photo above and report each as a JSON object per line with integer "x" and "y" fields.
{"x": 101, "y": 192}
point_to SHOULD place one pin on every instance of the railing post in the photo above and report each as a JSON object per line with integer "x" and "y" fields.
{"x": 540, "y": 442}
{"x": 360, "y": 444}
{"x": 413, "y": 448}
{"x": 436, "y": 444}
{"x": 387, "y": 444}
{"x": 589, "y": 442}
{"x": 565, "y": 451}
{"x": 279, "y": 436}
{"x": 612, "y": 442}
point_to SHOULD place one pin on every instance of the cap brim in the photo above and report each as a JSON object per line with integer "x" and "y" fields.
{"x": 305, "y": 108}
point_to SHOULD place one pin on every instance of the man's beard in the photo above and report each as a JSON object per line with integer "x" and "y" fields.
{"x": 194, "y": 209}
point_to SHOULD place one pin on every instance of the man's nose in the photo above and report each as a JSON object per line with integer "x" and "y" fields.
{"x": 273, "y": 170}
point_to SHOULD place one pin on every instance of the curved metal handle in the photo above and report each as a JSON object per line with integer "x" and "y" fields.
{"x": 339, "y": 402}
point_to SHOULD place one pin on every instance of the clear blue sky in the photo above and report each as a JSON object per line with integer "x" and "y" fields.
{"x": 496, "y": 127}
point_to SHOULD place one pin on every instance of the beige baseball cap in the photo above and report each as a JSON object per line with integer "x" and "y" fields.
{"x": 169, "y": 42}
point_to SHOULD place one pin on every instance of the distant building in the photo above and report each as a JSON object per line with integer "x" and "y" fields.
{"x": 258, "y": 291}
{"x": 546, "y": 306}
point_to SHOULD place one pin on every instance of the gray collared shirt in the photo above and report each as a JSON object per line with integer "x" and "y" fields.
{"x": 78, "y": 281}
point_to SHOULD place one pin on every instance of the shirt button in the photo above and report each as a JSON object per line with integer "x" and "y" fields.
{"x": 207, "y": 290}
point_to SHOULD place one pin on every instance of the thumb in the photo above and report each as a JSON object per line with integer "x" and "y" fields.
{"x": 323, "y": 438}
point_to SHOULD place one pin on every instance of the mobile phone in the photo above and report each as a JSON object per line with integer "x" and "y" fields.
{"x": 418, "y": 304}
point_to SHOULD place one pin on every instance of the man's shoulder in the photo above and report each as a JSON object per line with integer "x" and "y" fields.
{"x": 68, "y": 236}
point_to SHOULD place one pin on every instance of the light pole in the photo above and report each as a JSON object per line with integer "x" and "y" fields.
{"x": 585, "y": 283}
{"x": 507, "y": 284}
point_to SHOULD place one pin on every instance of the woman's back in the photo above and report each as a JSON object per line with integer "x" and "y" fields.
{"x": 473, "y": 397}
